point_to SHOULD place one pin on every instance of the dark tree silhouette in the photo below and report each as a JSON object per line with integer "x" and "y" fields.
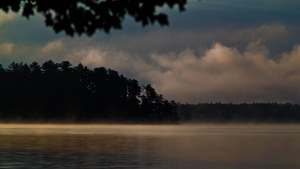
{"x": 86, "y": 16}
{"x": 50, "y": 67}
{"x": 65, "y": 66}
{"x": 58, "y": 92}
{"x": 35, "y": 68}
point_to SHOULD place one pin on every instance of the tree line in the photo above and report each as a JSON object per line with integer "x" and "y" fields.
{"x": 240, "y": 113}
{"x": 60, "y": 92}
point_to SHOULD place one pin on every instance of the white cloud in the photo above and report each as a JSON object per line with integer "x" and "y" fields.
{"x": 221, "y": 74}
{"x": 4, "y": 17}
{"x": 226, "y": 75}
{"x": 105, "y": 56}
{"x": 290, "y": 61}
{"x": 53, "y": 46}
{"x": 6, "y": 48}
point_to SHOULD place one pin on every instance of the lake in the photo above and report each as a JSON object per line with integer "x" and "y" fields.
{"x": 150, "y": 146}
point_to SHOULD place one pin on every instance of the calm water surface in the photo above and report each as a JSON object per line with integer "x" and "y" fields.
{"x": 136, "y": 146}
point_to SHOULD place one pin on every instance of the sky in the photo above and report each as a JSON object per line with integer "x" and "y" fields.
{"x": 229, "y": 51}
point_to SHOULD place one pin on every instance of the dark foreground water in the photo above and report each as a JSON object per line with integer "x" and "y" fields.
{"x": 166, "y": 147}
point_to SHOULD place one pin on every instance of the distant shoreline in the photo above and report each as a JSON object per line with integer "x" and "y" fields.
{"x": 254, "y": 113}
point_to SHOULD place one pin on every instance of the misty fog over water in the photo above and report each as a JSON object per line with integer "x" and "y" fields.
{"x": 150, "y": 146}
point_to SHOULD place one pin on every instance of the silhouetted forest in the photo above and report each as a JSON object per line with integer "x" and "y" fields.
{"x": 59, "y": 92}
{"x": 240, "y": 113}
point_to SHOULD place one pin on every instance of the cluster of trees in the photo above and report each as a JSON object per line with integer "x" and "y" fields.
{"x": 255, "y": 112}
{"x": 59, "y": 92}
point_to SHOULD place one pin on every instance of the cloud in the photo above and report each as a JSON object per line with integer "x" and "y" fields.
{"x": 227, "y": 75}
{"x": 53, "y": 46}
{"x": 109, "y": 57}
{"x": 4, "y": 17}
{"x": 184, "y": 66}
{"x": 140, "y": 46}
{"x": 222, "y": 73}
{"x": 272, "y": 35}
{"x": 6, "y": 48}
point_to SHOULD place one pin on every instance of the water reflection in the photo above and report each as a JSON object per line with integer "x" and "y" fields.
{"x": 77, "y": 151}
{"x": 204, "y": 147}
